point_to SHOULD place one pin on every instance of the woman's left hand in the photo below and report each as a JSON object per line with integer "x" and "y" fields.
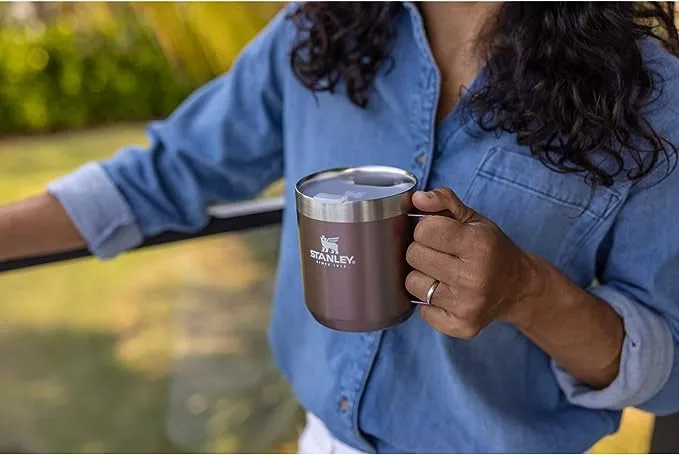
{"x": 483, "y": 275}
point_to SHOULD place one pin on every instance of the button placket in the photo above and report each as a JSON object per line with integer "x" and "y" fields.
{"x": 362, "y": 351}
{"x": 353, "y": 381}
{"x": 425, "y": 105}
{"x": 429, "y": 123}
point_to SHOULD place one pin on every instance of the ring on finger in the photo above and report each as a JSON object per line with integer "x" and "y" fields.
{"x": 431, "y": 291}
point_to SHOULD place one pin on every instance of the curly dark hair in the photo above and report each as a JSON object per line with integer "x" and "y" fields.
{"x": 567, "y": 78}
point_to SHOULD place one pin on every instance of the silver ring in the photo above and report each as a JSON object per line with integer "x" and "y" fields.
{"x": 431, "y": 291}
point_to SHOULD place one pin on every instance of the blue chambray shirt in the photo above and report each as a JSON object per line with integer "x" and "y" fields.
{"x": 410, "y": 388}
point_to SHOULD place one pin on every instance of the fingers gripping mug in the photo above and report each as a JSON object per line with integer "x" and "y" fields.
{"x": 355, "y": 225}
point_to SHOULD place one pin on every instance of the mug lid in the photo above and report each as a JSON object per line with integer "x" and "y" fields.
{"x": 364, "y": 193}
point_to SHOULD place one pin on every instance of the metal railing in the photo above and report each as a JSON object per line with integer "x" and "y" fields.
{"x": 266, "y": 212}
{"x": 223, "y": 219}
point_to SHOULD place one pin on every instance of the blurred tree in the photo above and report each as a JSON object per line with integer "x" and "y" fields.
{"x": 65, "y": 65}
{"x": 205, "y": 37}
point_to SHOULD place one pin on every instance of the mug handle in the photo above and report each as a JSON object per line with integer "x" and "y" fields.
{"x": 415, "y": 217}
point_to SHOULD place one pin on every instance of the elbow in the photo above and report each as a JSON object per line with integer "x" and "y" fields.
{"x": 648, "y": 374}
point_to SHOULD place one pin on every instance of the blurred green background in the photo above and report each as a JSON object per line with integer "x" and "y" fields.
{"x": 158, "y": 351}
{"x": 75, "y": 65}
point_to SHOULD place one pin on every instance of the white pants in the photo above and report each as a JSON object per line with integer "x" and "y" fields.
{"x": 316, "y": 438}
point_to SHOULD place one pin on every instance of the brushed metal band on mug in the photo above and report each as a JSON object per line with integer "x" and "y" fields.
{"x": 355, "y": 211}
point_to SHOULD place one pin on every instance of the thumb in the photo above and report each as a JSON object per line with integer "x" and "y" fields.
{"x": 443, "y": 199}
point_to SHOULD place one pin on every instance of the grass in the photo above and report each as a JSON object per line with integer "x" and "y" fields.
{"x": 155, "y": 351}
{"x": 152, "y": 352}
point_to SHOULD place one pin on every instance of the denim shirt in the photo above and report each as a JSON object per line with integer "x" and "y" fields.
{"x": 410, "y": 388}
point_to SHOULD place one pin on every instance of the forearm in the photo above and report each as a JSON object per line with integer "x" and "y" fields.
{"x": 581, "y": 332}
{"x": 35, "y": 226}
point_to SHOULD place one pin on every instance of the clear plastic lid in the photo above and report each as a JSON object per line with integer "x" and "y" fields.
{"x": 357, "y": 184}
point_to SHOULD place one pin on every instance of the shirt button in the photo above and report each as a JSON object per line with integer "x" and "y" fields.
{"x": 421, "y": 159}
{"x": 344, "y": 404}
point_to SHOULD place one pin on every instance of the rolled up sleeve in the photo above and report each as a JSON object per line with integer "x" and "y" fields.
{"x": 646, "y": 362}
{"x": 223, "y": 144}
{"x": 639, "y": 279}
{"x": 98, "y": 210}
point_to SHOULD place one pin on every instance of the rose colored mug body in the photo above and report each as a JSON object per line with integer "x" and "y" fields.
{"x": 353, "y": 247}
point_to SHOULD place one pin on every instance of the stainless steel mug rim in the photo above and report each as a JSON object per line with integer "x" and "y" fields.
{"x": 355, "y": 211}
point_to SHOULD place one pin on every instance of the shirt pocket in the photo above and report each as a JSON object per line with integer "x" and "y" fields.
{"x": 545, "y": 212}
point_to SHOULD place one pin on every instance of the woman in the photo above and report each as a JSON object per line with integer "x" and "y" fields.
{"x": 547, "y": 129}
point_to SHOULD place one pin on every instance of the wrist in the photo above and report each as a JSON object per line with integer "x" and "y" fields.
{"x": 535, "y": 284}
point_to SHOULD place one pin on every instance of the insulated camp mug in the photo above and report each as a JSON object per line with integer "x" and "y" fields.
{"x": 355, "y": 225}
